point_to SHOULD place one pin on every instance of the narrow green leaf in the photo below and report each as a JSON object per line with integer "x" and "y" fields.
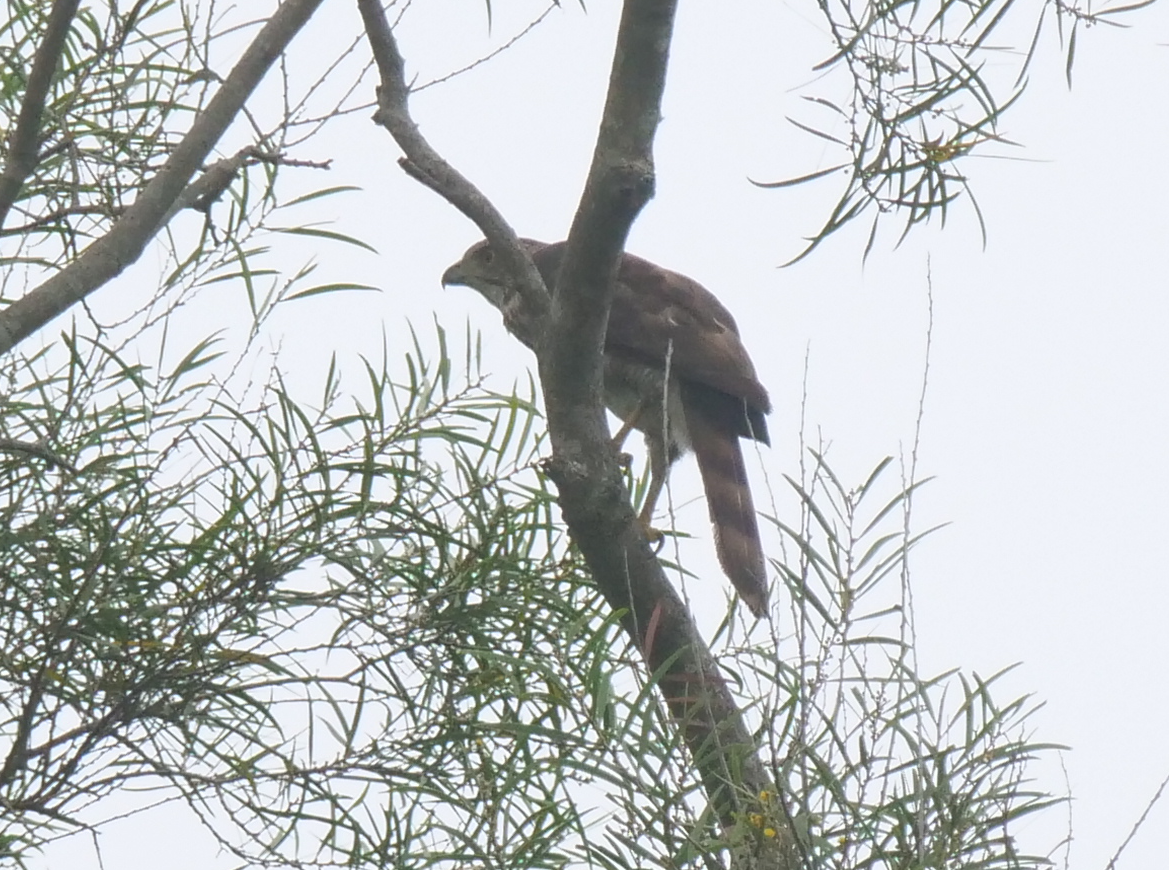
{"x": 330, "y": 288}
{"x": 317, "y": 194}
{"x": 325, "y": 234}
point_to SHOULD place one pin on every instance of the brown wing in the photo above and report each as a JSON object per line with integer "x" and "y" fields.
{"x": 659, "y": 315}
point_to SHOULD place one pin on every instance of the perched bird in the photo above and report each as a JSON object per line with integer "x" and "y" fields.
{"x": 663, "y": 323}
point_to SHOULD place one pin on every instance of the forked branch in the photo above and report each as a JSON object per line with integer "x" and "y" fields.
{"x": 593, "y": 496}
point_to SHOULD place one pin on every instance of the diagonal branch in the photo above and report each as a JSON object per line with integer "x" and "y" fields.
{"x": 22, "y": 146}
{"x": 127, "y": 239}
{"x": 593, "y": 496}
{"x": 598, "y": 513}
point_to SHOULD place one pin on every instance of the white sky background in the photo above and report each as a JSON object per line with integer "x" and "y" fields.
{"x": 1047, "y": 413}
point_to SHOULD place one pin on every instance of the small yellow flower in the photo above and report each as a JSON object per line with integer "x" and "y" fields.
{"x": 769, "y": 832}
{"x": 755, "y": 819}
{"x": 765, "y": 795}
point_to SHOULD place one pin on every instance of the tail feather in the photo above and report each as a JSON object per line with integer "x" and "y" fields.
{"x": 732, "y": 511}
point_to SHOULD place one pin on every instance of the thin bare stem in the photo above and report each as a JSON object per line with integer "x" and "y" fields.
{"x": 1139, "y": 824}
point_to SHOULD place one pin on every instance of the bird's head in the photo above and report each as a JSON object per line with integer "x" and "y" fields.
{"x": 483, "y": 270}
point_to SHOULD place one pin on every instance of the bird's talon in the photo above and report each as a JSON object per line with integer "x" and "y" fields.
{"x": 653, "y": 536}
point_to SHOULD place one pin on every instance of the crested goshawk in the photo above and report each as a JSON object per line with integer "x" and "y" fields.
{"x": 662, "y": 322}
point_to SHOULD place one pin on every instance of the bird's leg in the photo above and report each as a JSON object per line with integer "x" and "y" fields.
{"x": 627, "y": 426}
{"x": 658, "y": 468}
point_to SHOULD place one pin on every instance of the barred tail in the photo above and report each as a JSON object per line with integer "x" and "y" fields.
{"x": 728, "y": 496}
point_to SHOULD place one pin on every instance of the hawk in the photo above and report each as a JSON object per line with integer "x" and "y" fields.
{"x": 674, "y": 369}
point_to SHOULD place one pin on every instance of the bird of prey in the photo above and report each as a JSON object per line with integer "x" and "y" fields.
{"x": 667, "y": 334}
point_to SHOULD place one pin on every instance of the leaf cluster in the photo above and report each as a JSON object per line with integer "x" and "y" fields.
{"x": 314, "y": 625}
{"x": 924, "y": 91}
{"x": 882, "y": 765}
{"x": 124, "y": 84}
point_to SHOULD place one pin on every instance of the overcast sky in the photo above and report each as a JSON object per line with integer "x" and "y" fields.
{"x": 1047, "y": 413}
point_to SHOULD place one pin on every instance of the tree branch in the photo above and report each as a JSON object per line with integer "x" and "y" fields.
{"x": 11, "y": 445}
{"x": 593, "y": 496}
{"x": 596, "y": 507}
{"x": 127, "y": 239}
{"x": 22, "y": 146}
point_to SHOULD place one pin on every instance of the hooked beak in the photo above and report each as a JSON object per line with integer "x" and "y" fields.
{"x": 453, "y": 275}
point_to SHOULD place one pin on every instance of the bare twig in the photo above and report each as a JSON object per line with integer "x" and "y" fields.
{"x": 22, "y": 145}
{"x": 1139, "y": 824}
{"x": 217, "y": 178}
{"x": 532, "y": 25}
{"x": 127, "y": 239}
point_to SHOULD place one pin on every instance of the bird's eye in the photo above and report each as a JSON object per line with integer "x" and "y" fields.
{"x": 488, "y": 255}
